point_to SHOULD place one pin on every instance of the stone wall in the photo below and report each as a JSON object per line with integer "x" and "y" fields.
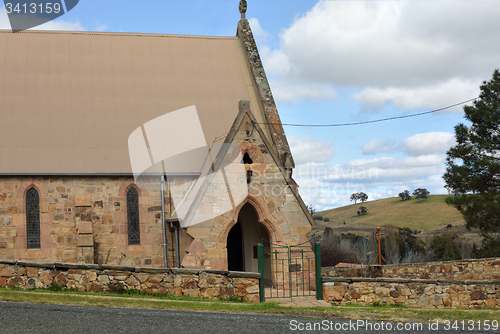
{"x": 466, "y": 284}
{"x": 476, "y": 269}
{"x": 84, "y": 219}
{"x": 208, "y": 284}
{"x": 414, "y": 292}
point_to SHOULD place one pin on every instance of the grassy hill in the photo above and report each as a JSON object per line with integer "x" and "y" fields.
{"x": 430, "y": 216}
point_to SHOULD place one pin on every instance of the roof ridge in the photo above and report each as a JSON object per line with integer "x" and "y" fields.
{"x": 120, "y": 34}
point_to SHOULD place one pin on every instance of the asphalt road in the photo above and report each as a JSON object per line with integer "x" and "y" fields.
{"x": 45, "y": 318}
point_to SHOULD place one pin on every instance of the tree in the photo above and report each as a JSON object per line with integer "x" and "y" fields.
{"x": 391, "y": 248}
{"x": 335, "y": 249}
{"x": 445, "y": 248}
{"x": 355, "y": 197}
{"x": 473, "y": 165}
{"x": 407, "y": 242}
{"x": 362, "y": 211}
{"x": 420, "y": 193}
{"x": 311, "y": 209}
{"x": 362, "y": 197}
{"x": 451, "y": 191}
{"x": 405, "y": 195}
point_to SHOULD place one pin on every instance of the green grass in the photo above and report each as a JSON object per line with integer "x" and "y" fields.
{"x": 124, "y": 293}
{"x": 379, "y": 312}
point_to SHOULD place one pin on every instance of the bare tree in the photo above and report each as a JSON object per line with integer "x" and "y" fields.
{"x": 311, "y": 209}
{"x": 335, "y": 249}
{"x": 362, "y": 254}
{"x": 412, "y": 257}
{"x": 391, "y": 248}
{"x": 372, "y": 248}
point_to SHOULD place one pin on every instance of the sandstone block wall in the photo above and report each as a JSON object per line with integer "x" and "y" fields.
{"x": 465, "y": 284}
{"x": 416, "y": 292}
{"x": 84, "y": 220}
{"x": 91, "y": 277}
{"x": 476, "y": 269}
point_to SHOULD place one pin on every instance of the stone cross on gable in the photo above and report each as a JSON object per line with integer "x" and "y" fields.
{"x": 243, "y": 8}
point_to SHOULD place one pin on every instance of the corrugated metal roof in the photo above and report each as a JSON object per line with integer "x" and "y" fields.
{"x": 70, "y": 100}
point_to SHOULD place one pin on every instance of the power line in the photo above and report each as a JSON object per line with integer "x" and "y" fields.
{"x": 377, "y": 120}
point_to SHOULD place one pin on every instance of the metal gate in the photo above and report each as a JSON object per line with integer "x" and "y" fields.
{"x": 289, "y": 271}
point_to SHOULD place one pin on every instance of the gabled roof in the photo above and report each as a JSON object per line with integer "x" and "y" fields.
{"x": 69, "y": 100}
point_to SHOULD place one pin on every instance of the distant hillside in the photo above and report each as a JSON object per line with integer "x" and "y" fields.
{"x": 428, "y": 216}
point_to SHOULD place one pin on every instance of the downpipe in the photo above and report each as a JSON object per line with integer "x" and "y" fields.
{"x": 163, "y": 221}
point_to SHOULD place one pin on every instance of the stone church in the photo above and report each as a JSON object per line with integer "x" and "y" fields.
{"x": 69, "y": 102}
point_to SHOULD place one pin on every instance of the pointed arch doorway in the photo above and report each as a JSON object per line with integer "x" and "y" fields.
{"x": 242, "y": 241}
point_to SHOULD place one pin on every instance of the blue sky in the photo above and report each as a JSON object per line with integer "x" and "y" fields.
{"x": 333, "y": 62}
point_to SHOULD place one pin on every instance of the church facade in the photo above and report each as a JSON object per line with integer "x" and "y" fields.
{"x": 68, "y": 104}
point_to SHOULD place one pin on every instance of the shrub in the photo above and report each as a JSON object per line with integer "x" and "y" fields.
{"x": 327, "y": 233}
{"x": 362, "y": 211}
{"x": 412, "y": 257}
{"x": 232, "y": 299}
{"x": 317, "y": 217}
{"x": 117, "y": 288}
{"x": 334, "y": 250}
{"x": 326, "y": 219}
{"x": 348, "y": 248}
{"x": 56, "y": 287}
{"x": 490, "y": 248}
{"x": 467, "y": 249}
{"x": 444, "y": 248}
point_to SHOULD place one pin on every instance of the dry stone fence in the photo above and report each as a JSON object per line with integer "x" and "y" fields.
{"x": 465, "y": 284}
{"x": 211, "y": 284}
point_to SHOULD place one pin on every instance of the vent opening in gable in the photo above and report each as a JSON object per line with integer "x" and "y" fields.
{"x": 247, "y": 159}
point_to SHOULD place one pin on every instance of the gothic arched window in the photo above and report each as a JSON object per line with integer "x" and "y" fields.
{"x": 134, "y": 234}
{"x": 33, "y": 218}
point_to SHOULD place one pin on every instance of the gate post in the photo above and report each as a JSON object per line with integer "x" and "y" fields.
{"x": 262, "y": 293}
{"x": 319, "y": 286}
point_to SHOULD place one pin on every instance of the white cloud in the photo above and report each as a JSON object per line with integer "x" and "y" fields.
{"x": 328, "y": 185}
{"x": 375, "y": 146}
{"x": 428, "y": 143}
{"x": 308, "y": 150}
{"x": 389, "y": 162}
{"x": 421, "y": 144}
{"x": 432, "y": 96}
{"x": 276, "y": 62}
{"x": 414, "y": 54}
{"x": 102, "y": 27}
{"x": 294, "y": 92}
{"x": 289, "y": 90}
{"x": 60, "y": 25}
{"x": 257, "y": 31}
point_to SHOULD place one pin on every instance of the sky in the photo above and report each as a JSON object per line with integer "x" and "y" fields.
{"x": 337, "y": 62}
